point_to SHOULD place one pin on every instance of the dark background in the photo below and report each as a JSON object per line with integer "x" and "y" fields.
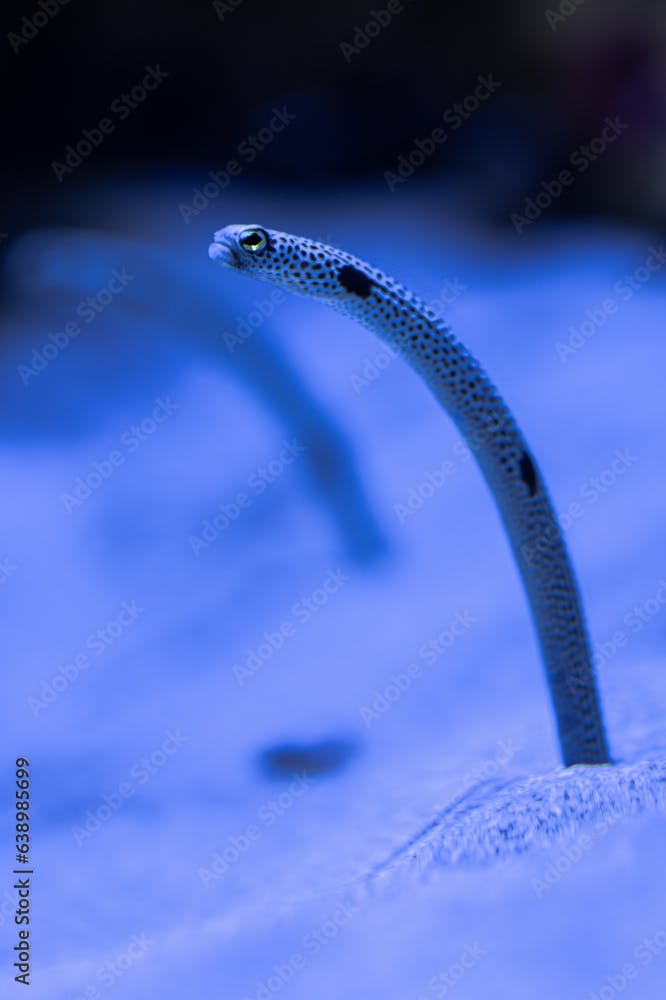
{"x": 355, "y": 115}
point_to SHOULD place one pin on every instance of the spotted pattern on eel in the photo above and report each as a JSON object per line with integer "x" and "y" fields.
{"x": 467, "y": 394}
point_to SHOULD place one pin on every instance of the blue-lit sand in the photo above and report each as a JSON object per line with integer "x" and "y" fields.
{"x": 300, "y": 615}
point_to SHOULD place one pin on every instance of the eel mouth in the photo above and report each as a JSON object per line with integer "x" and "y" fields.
{"x": 222, "y": 249}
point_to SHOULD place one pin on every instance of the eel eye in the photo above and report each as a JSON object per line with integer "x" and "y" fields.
{"x": 253, "y": 240}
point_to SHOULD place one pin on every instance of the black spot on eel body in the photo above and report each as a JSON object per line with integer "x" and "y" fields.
{"x": 353, "y": 280}
{"x": 528, "y": 473}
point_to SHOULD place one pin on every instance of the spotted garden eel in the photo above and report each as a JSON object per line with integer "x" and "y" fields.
{"x": 462, "y": 387}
